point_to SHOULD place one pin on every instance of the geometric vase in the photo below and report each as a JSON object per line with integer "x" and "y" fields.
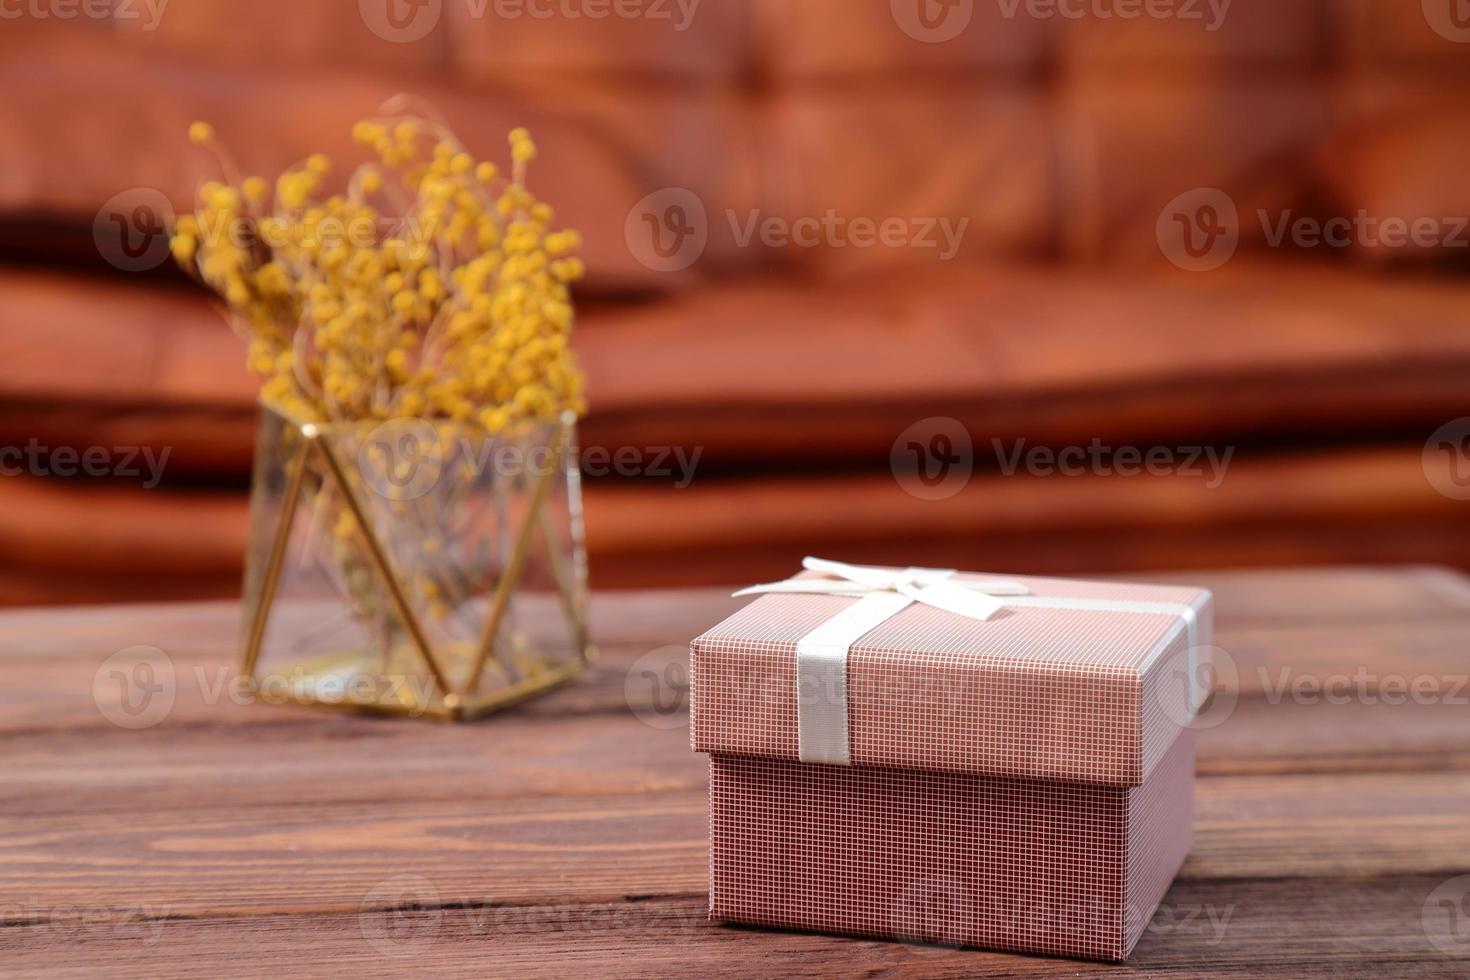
{"x": 413, "y": 567}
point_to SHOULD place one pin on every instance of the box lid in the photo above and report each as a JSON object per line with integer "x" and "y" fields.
{"x": 1077, "y": 681}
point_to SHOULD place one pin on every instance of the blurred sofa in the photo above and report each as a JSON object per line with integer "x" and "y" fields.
{"x": 793, "y": 369}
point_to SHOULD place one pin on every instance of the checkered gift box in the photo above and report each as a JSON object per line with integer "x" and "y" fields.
{"x": 951, "y": 758}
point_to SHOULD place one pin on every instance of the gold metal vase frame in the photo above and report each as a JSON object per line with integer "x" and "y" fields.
{"x": 468, "y": 702}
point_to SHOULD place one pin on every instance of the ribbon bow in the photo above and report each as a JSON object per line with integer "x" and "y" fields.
{"x": 930, "y": 586}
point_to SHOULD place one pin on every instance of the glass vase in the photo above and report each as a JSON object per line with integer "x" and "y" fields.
{"x": 413, "y": 567}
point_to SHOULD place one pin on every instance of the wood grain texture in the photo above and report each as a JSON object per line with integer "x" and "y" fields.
{"x": 569, "y": 835}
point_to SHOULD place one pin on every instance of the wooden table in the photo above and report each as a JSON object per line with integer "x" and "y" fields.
{"x": 568, "y": 837}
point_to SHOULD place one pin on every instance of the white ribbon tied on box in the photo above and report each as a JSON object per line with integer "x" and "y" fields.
{"x": 821, "y": 655}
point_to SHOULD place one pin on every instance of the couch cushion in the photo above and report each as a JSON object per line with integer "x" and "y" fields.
{"x": 1205, "y": 38}
{"x": 601, "y": 149}
{"x": 1052, "y": 134}
{"x": 822, "y": 41}
{"x": 1248, "y": 351}
{"x": 1414, "y": 38}
{"x": 279, "y": 33}
{"x": 963, "y": 174}
{"x": 85, "y": 543}
{"x": 1410, "y": 171}
{"x": 775, "y": 371}
{"x": 1368, "y": 504}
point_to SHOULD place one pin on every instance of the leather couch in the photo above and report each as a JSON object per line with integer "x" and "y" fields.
{"x": 1064, "y": 144}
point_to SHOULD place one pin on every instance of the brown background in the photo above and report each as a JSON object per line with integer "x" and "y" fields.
{"x": 794, "y": 370}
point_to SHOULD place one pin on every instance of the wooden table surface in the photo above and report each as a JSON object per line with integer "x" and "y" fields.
{"x": 201, "y": 835}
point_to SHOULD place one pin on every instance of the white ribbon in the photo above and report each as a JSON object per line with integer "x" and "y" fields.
{"x": 821, "y": 655}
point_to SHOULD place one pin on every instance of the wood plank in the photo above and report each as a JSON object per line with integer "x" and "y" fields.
{"x": 1261, "y": 737}
{"x": 49, "y": 659}
{"x": 1298, "y": 928}
{"x": 570, "y": 833}
{"x": 245, "y": 827}
{"x": 1243, "y": 599}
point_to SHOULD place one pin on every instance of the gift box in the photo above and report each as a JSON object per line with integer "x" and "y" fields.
{"x": 948, "y": 757}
